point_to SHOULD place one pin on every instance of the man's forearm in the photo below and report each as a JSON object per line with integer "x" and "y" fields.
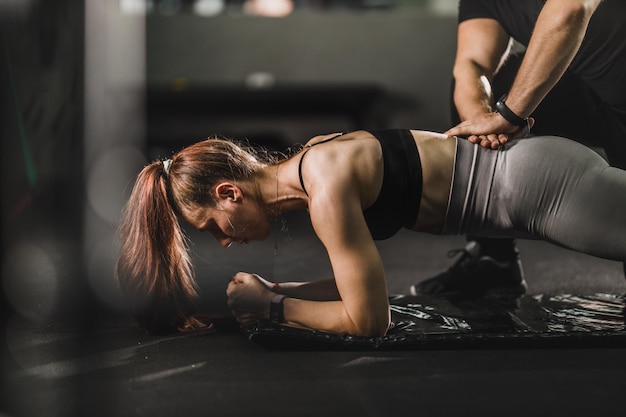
{"x": 472, "y": 93}
{"x": 558, "y": 33}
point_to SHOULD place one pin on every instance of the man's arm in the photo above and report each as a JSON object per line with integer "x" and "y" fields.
{"x": 558, "y": 33}
{"x": 481, "y": 45}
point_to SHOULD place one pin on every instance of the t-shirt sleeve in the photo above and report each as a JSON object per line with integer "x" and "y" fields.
{"x": 473, "y": 9}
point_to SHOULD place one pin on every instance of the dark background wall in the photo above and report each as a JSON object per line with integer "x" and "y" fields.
{"x": 394, "y": 63}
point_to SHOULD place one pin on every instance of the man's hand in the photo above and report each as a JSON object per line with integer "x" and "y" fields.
{"x": 248, "y": 298}
{"x": 481, "y": 130}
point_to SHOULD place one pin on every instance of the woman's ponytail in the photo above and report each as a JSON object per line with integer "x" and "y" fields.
{"x": 154, "y": 269}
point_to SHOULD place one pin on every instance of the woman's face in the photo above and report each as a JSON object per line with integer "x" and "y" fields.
{"x": 233, "y": 222}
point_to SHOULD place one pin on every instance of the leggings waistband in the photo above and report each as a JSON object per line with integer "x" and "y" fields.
{"x": 467, "y": 194}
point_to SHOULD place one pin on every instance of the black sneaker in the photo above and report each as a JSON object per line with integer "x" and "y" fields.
{"x": 475, "y": 273}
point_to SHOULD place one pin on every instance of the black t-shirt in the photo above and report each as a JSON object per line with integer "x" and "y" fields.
{"x": 601, "y": 59}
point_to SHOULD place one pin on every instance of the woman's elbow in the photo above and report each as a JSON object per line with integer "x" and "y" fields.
{"x": 381, "y": 330}
{"x": 375, "y": 331}
{"x": 372, "y": 327}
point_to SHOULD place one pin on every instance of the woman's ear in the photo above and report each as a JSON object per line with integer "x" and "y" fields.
{"x": 227, "y": 191}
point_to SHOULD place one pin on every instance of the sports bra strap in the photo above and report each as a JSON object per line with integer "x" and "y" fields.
{"x": 304, "y": 153}
{"x": 300, "y": 172}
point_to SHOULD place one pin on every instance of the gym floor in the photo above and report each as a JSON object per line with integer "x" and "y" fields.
{"x": 114, "y": 368}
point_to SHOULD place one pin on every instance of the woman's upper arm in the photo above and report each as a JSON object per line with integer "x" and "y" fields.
{"x": 356, "y": 263}
{"x": 482, "y": 43}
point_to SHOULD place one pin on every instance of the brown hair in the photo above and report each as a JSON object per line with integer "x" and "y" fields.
{"x": 154, "y": 268}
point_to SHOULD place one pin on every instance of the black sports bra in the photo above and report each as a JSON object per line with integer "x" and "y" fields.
{"x": 398, "y": 202}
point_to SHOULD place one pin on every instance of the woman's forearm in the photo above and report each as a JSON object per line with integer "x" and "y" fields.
{"x": 322, "y": 290}
{"x": 318, "y": 305}
{"x": 332, "y": 316}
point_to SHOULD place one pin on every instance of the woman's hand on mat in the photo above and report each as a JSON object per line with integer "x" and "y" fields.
{"x": 248, "y": 298}
{"x": 480, "y": 130}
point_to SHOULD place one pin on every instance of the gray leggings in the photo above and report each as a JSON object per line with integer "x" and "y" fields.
{"x": 541, "y": 187}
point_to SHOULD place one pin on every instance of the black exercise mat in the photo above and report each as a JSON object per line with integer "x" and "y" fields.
{"x": 429, "y": 322}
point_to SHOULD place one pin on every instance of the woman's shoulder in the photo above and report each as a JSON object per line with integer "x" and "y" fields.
{"x": 352, "y": 162}
{"x": 341, "y": 150}
{"x": 323, "y": 138}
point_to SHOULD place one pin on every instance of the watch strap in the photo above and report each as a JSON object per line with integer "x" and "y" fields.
{"x": 508, "y": 114}
{"x": 277, "y": 308}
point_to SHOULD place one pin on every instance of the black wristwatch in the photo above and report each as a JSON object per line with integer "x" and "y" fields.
{"x": 508, "y": 114}
{"x": 277, "y": 309}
